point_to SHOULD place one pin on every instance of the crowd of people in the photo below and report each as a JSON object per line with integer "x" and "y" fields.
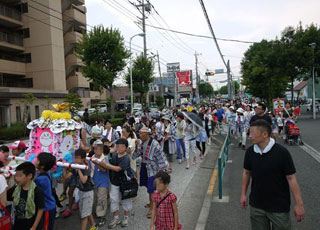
{"x": 142, "y": 151}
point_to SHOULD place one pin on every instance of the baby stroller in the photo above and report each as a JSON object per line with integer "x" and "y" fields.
{"x": 292, "y": 133}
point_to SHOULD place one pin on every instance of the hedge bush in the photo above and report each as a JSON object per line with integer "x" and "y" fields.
{"x": 14, "y": 132}
{"x": 107, "y": 116}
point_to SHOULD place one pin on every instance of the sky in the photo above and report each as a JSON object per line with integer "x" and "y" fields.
{"x": 247, "y": 20}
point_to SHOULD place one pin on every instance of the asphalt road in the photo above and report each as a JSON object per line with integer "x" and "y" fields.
{"x": 229, "y": 216}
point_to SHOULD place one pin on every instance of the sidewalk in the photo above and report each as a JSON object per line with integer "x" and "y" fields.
{"x": 228, "y": 215}
{"x": 189, "y": 186}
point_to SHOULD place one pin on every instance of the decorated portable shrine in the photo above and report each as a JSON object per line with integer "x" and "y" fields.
{"x": 54, "y": 132}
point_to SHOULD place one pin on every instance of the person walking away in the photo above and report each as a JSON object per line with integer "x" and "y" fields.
{"x": 208, "y": 126}
{"x": 270, "y": 167}
{"x": 279, "y": 125}
{"x": 169, "y": 141}
{"x": 190, "y": 132}
{"x": 180, "y": 125}
{"x": 164, "y": 205}
{"x": 202, "y": 138}
{"x": 241, "y": 129}
{"x": 274, "y": 126}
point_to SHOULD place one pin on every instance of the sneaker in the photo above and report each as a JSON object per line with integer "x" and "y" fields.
{"x": 67, "y": 213}
{"x": 243, "y": 147}
{"x": 76, "y": 207}
{"x": 124, "y": 222}
{"x": 93, "y": 227}
{"x": 239, "y": 145}
{"x": 57, "y": 213}
{"x": 63, "y": 197}
{"x": 180, "y": 161}
{"x": 102, "y": 222}
{"x": 114, "y": 223}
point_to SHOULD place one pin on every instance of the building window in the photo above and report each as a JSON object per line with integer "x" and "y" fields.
{"x": 28, "y": 58}
{"x": 37, "y": 111}
{"x": 26, "y": 33}
{"x": 18, "y": 114}
{"x": 24, "y": 8}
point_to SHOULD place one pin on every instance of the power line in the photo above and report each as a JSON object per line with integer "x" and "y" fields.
{"x": 125, "y": 8}
{"x": 130, "y": 17}
{"x": 212, "y": 33}
{"x": 186, "y": 45}
{"x": 201, "y": 36}
{"x": 178, "y": 43}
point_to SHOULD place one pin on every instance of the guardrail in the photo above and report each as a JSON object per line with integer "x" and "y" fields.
{"x": 222, "y": 160}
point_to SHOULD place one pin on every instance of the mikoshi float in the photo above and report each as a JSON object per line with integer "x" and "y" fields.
{"x": 54, "y": 132}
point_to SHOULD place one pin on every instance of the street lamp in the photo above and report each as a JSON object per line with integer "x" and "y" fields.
{"x": 313, "y": 45}
{"x": 131, "y": 86}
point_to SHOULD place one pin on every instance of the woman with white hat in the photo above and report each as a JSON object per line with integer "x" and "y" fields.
{"x": 240, "y": 122}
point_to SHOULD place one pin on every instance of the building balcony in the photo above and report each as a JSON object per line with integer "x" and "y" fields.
{"x": 11, "y": 42}
{"x": 70, "y": 40}
{"x": 77, "y": 80}
{"x": 67, "y": 3}
{"x": 74, "y": 16}
{"x": 72, "y": 63}
{"x": 10, "y": 17}
{"x": 12, "y": 67}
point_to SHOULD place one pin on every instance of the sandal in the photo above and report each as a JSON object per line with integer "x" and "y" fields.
{"x": 147, "y": 205}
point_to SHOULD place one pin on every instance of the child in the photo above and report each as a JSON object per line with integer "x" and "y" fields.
{"x": 164, "y": 208}
{"x": 28, "y": 199}
{"x": 280, "y": 125}
{"x": 3, "y": 183}
{"x": 85, "y": 186}
{"x": 18, "y": 149}
{"x": 120, "y": 164}
{"x": 5, "y": 150}
{"x": 45, "y": 162}
{"x": 101, "y": 182}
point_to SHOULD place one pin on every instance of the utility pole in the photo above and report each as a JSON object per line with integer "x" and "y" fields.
{"x": 197, "y": 78}
{"x": 144, "y": 29}
{"x": 161, "y": 85}
{"x": 229, "y": 80}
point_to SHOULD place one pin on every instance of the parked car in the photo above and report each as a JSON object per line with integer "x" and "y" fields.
{"x": 308, "y": 106}
{"x": 137, "y": 107}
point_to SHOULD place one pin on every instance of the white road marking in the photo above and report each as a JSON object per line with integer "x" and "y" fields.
{"x": 311, "y": 151}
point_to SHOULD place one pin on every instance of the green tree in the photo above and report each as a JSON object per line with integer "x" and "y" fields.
{"x": 104, "y": 54}
{"x": 206, "y": 90}
{"x": 159, "y": 100}
{"x": 74, "y": 102}
{"x": 142, "y": 71}
{"x": 223, "y": 90}
{"x": 28, "y": 101}
{"x": 262, "y": 70}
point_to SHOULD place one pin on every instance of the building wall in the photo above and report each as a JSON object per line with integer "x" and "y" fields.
{"x": 45, "y": 45}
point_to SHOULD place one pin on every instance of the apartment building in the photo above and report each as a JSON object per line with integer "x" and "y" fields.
{"x": 37, "y": 55}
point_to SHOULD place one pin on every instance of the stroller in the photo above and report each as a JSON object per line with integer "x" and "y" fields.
{"x": 292, "y": 133}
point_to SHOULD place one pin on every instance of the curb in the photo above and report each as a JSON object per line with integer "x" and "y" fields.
{"x": 207, "y": 202}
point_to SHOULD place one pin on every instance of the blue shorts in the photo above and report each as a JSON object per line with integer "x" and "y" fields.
{"x": 72, "y": 181}
{"x": 145, "y": 180}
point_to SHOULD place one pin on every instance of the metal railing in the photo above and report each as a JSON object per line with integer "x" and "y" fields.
{"x": 222, "y": 160}
{"x": 10, "y": 12}
{"x": 14, "y": 39}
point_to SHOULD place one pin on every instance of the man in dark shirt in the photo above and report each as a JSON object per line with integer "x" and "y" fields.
{"x": 272, "y": 171}
{"x": 260, "y": 114}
